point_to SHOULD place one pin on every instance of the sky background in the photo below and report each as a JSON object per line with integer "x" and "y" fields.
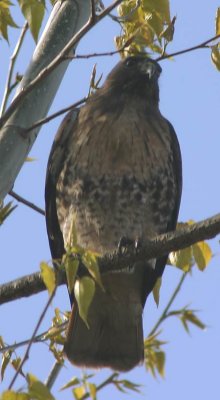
{"x": 190, "y": 99}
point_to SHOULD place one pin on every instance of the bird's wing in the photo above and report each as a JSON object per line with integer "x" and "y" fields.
{"x": 177, "y": 168}
{"x": 56, "y": 160}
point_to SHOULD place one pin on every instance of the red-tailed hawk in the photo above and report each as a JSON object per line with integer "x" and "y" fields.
{"x": 115, "y": 172}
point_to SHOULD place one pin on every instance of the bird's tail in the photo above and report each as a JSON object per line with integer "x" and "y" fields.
{"x": 114, "y": 338}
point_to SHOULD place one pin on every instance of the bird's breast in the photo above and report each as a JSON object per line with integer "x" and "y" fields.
{"x": 118, "y": 181}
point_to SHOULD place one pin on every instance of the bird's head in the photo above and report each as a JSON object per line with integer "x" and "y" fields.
{"x": 136, "y": 75}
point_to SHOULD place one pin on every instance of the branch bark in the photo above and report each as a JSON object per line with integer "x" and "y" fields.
{"x": 158, "y": 247}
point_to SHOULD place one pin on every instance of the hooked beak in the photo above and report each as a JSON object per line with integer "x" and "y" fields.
{"x": 151, "y": 69}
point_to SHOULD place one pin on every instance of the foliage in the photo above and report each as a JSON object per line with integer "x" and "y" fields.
{"x": 5, "y": 211}
{"x": 147, "y": 27}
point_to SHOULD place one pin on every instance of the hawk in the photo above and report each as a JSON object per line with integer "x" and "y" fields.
{"x": 114, "y": 172}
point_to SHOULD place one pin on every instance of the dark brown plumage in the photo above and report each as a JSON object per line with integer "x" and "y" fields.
{"x": 115, "y": 171}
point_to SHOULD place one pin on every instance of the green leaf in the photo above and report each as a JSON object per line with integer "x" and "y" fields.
{"x": 143, "y": 25}
{"x": 182, "y": 259}
{"x": 92, "y": 391}
{"x": 74, "y": 381}
{"x": 5, "y": 361}
{"x": 11, "y": 395}
{"x": 33, "y": 11}
{"x": 215, "y": 56}
{"x": 89, "y": 259}
{"x": 79, "y": 392}
{"x": 6, "y": 18}
{"x": 37, "y": 389}
{"x": 48, "y": 276}
{"x": 71, "y": 265}
{"x": 160, "y": 362}
{"x": 30, "y": 159}
{"x": 84, "y": 291}
{"x": 154, "y": 356}
{"x": 130, "y": 385}
{"x": 202, "y": 254}
{"x": 168, "y": 31}
{"x": 156, "y": 291}
{"x": 16, "y": 364}
{"x": 6, "y": 211}
{"x": 189, "y": 316}
{"x": 217, "y": 22}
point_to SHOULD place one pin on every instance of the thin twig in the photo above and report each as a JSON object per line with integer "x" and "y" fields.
{"x": 13, "y": 59}
{"x": 93, "y": 11}
{"x": 163, "y": 57}
{"x": 41, "y": 338}
{"x": 202, "y": 45}
{"x": 109, "y": 380}
{"x": 53, "y": 374}
{"x": 55, "y": 115}
{"x": 56, "y": 61}
{"x": 26, "y": 355}
{"x": 26, "y": 202}
{"x": 170, "y": 302}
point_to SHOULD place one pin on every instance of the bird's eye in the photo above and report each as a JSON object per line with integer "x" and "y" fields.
{"x": 130, "y": 62}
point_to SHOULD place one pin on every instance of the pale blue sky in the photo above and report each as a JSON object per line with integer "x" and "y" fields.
{"x": 190, "y": 99}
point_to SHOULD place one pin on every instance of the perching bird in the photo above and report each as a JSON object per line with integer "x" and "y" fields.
{"x": 114, "y": 172}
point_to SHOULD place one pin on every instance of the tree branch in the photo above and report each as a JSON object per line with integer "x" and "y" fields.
{"x": 26, "y": 286}
{"x": 55, "y": 115}
{"x": 26, "y": 202}
{"x": 26, "y": 354}
{"x": 202, "y": 45}
{"x": 13, "y": 59}
{"x": 155, "y": 248}
{"x": 170, "y": 302}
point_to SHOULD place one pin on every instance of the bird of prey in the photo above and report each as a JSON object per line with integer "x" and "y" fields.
{"x": 114, "y": 172}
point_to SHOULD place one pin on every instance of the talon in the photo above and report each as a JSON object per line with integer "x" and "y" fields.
{"x": 137, "y": 245}
{"x": 124, "y": 243}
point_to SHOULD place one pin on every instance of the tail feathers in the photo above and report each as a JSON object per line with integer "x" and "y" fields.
{"x": 114, "y": 338}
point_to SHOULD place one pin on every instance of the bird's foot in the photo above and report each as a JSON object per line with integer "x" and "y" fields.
{"x": 126, "y": 244}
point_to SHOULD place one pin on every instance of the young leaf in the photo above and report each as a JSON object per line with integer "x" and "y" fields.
{"x": 48, "y": 276}
{"x": 89, "y": 259}
{"x": 74, "y": 381}
{"x": 156, "y": 291}
{"x": 16, "y": 364}
{"x": 84, "y": 291}
{"x": 202, "y": 254}
{"x": 71, "y": 266}
{"x": 6, "y": 211}
{"x": 6, "y": 19}
{"x": 191, "y": 317}
{"x": 182, "y": 259}
{"x": 217, "y": 22}
{"x": 37, "y": 389}
{"x": 79, "y": 392}
{"x": 92, "y": 391}
{"x": 33, "y": 11}
{"x": 5, "y": 361}
{"x": 215, "y": 56}
{"x": 160, "y": 362}
{"x": 11, "y": 395}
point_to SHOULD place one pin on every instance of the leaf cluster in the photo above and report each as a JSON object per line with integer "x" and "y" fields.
{"x": 147, "y": 26}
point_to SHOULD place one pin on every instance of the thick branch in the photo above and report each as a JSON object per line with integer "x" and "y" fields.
{"x": 158, "y": 247}
{"x": 26, "y": 286}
